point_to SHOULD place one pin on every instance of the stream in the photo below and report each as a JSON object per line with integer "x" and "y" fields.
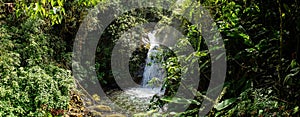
{"x": 137, "y": 99}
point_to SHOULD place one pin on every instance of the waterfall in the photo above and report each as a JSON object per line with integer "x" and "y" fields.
{"x": 153, "y": 67}
{"x": 138, "y": 98}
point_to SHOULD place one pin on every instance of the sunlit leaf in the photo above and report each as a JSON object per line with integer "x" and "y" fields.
{"x": 222, "y": 105}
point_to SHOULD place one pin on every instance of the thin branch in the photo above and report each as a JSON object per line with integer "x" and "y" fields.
{"x": 280, "y": 38}
{"x": 281, "y": 100}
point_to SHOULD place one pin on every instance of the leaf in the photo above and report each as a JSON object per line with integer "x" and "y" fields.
{"x": 286, "y": 7}
{"x": 63, "y": 11}
{"x": 201, "y": 54}
{"x": 293, "y": 63}
{"x": 60, "y": 3}
{"x": 52, "y": 3}
{"x": 288, "y": 79}
{"x": 296, "y": 109}
{"x": 43, "y": 11}
{"x": 177, "y": 100}
{"x": 246, "y": 38}
{"x": 224, "y": 104}
{"x": 18, "y": 13}
{"x": 216, "y": 2}
{"x": 44, "y": 2}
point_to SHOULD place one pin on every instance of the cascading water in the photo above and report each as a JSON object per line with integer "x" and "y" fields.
{"x": 140, "y": 96}
{"x": 153, "y": 67}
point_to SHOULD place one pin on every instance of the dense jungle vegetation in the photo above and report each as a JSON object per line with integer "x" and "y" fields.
{"x": 261, "y": 38}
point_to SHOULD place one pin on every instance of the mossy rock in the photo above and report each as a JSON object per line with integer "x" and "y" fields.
{"x": 100, "y": 108}
{"x": 96, "y": 113}
{"x": 116, "y": 115}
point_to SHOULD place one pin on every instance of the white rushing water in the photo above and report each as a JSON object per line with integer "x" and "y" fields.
{"x": 153, "y": 70}
{"x": 153, "y": 67}
{"x": 143, "y": 92}
{"x": 137, "y": 99}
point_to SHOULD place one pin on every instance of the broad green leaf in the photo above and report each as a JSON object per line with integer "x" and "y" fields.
{"x": 224, "y": 104}
{"x": 63, "y": 11}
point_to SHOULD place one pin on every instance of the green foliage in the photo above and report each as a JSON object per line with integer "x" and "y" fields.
{"x": 254, "y": 102}
{"x": 225, "y": 103}
{"x": 251, "y": 36}
{"x": 31, "y": 83}
{"x": 33, "y": 92}
{"x": 261, "y": 40}
{"x": 155, "y": 82}
{"x": 53, "y": 10}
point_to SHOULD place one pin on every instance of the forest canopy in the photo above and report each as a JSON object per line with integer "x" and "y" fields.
{"x": 40, "y": 74}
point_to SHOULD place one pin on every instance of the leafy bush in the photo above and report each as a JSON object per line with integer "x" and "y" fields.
{"x": 30, "y": 82}
{"x": 53, "y": 11}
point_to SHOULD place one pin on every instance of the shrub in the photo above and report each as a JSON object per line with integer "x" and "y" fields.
{"x": 30, "y": 83}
